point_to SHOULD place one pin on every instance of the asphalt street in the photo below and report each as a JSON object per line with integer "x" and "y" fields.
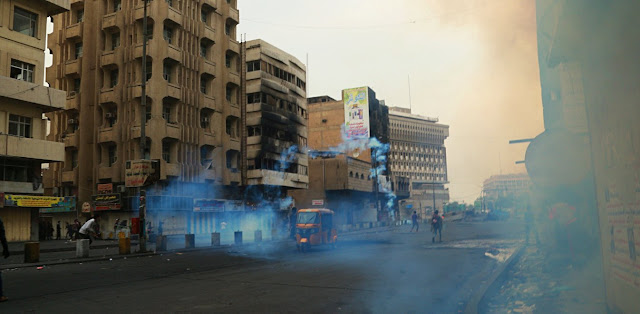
{"x": 388, "y": 271}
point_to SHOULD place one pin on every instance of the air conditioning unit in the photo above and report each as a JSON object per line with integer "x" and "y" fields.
{"x": 121, "y": 188}
{"x": 72, "y": 121}
{"x": 204, "y": 119}
{"x": 110, "y": 115}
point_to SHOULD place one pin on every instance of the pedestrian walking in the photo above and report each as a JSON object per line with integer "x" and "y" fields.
{"x": 58, "y": 231}
{"x": 5, "y": 253}
{"x": 69, "y": 228}
{"x": 414, "y": 221}
{"x": 436, "y": 226}
{"x": 90, "y": 229}
{"x": 76, "y": 229}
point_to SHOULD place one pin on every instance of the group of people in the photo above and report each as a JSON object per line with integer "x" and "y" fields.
{"x": 45, "y": 230}
{"x": 436, "y": 225}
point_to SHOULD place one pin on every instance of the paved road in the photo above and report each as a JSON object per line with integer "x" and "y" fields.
{"x": 379, "y": 272}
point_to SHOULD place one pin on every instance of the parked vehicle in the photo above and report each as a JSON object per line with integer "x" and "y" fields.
{"x": 315, "y": 227}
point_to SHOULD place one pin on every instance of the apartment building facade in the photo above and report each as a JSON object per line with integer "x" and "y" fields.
{"x": 506, "y": 184}
{"x": 342, "y": 181}
{"x": 275, "y": 124}
{"x": 23, "y": 101}
{"x": 193, "y": 104}
{"x": 418, "y": 161}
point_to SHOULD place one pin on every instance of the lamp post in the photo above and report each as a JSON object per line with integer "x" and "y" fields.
{"x": 143, "y": 136}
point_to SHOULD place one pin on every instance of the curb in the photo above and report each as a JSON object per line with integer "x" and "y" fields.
{"x": 478, "y": 297}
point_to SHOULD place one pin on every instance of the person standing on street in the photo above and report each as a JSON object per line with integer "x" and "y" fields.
{"x": 5, "y": 253}
{"x": 58, "y": 231}
{"x": 436, "y": 226}
{"x": 76, "y": 229}
{"x": 414, "y": 220}
{"x": 90, "y": 229}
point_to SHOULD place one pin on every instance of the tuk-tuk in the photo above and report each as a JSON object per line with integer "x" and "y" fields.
{"x": 315, "y": 227}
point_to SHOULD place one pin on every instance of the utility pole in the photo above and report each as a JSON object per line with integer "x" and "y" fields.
{"x": 143, "y": 136}
{"x": 433, "y": 189}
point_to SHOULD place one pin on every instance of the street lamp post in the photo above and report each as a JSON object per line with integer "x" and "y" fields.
{"x": 143, "y": 136}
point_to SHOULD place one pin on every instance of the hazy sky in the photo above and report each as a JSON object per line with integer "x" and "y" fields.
{"x": 472, "y": 63}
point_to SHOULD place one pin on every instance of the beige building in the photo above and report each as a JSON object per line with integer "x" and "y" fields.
{"x": 193, "y": 106}
{"x": 23, "y": 100}
{"x": 276, "y": 122}
{"x": 341, "y": 182}
{"x": 418, "y": 161}
{"x": 506, "y": 184}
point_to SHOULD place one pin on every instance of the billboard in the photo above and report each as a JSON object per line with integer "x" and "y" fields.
{"x": 208, "y": 205}
{"x": 107, "y": 201}
{"x": 55, "y": 203}
{"x": 356, "y": 112}
{"x": 139, "y": 173}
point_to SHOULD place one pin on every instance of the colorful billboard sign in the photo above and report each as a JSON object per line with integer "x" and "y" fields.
{"x": 56, "y": 202}
{"x": 356, "y": 112}
{"x": 106, "y": 202}
{"x": 105, "y": 188}
{"x": 139, "y": 173}
{"x": 208, "y": 205}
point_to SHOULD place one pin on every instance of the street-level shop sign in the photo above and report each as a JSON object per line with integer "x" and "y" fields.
{"x": 107, "y": 201}
{"x": 139, "y": 173}
{"x": 317, "y": 202}
{"x": 208, "y": 205}
{"x": 62, "y": 203}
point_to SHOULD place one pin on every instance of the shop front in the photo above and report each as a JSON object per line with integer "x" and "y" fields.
{"x": 21, "y": 214}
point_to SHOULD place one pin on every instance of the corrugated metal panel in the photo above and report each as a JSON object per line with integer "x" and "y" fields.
{"x": 17, "y": 223}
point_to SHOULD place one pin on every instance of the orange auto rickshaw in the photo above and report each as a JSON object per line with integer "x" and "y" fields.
{"x": 314, "y": 227}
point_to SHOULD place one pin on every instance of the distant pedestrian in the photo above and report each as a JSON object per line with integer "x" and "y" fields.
{"x": 49, "y": 230}
{"x": 58, "y": 231}
{"x": 76, "y": 229}
{"x": 414, "y": 221}
{"x": 436, "y": 226}
{"x": 69, "y": 230}
{"x": 5, "y": 253}
{"x": 90, "y": 229}
{"x": 293, "y": 217}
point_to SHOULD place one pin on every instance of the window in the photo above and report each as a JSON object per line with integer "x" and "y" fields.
{"x": 22, "y": 70}
{"x": 253, "y": 66}
{"x": 203, "y": 16}
{"x": 19, "y": 125}
{"x": 203, "y": 85}
{"x": 25, "y": 22}
{"x": 148, "y": 113}
{"x": 166, "y": 72}
{"x": 80, "y": 15}
{"x": 117, "y": 5}
{"x": 115, "y": 40}
{"x": 170, "y": 2}
{"x": 76, "y": 85}
{"x": 167, "y": 33}
{"x": 203, "y": 50}
{"x": 227, "y": 60}
{"x": 166, "y": 151}
{"x": 74, "y": 159}
{"x": 149, "y": 31}
{"x": 229, "y": 93}
{"x": 227, "y": 29}
{"x": 253, "y": 98}
{"x": 78, "y": 50}
{"x": 166, "y": 112}
{"x": 113, "y": 157}
{"x": 148, "y": 69}
{"x": 114, "y": 78}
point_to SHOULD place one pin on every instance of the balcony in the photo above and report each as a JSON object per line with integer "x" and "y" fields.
{"x": 20, "y": 187}
{"x": 174, "y": 91}
{"x": 207, "y": 101}
{"x": 234, "y": 77}
{"x": 29, "y": 148}
{"x": 109, "y": 95}
{"x": 73, "y": 67}
{"x": 74, "y": 31}
{"x": 72, "y": 140}
{"x": 112, "y": 20}
{"x": 231, "y": 176}
{"x": 170, "y": 169}
{"x": 173, "y": 131}
{"x": 70, "y": 177}
{"x": 234, "y": 46}
{"x": 160, "y": 11}
{"x": 207, "y": 138}
{"x": 109, "y": 134}
{"x": 113, "y": 172}
{"x": 207, "y": 32}
{"x": 151, "y": 43}
{"x": 211, "y": 3}
{"x": 209, "y": 174}
{"x": 234, "y": 15}
{"x": 207, "y": 66}
{"x": 112, "y": 57}
{"x": 45, "y": 98}
{"x": 73, "y": 102}
{"x": 174, "y": 53}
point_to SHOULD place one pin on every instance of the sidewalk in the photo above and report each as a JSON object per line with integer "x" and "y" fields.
{"x": 539, "y": 282}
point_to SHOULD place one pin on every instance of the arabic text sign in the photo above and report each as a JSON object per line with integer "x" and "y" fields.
{"x": 141, "y": 172}
{"x": 13, "y": 200}
{"x": 107, "y": 201}
{"x": 208, "y": 205}
{"x": 356, "y": 112}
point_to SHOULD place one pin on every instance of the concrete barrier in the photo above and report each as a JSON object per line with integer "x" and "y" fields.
{"x": 237, "y": 236}
{"x": 161, "y": 243}
{"x": 189, "y": 241}
{"x": 215, "y": 239}
{"x": 257, "y": 237}
{"x": 124, "y": 245}
{"x": 32, "y": 252}
{"x": 82, "y": 248}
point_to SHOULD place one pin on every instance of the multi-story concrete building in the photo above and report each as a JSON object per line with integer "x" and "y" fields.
{"x": 276, "y": 121}
{"x": 506, "y": 184}
{"x": 342, "y": 182}
{"x": 193, "y": 107}
{"x": 418, "y": 161}
{"x": 23, "y": 100}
